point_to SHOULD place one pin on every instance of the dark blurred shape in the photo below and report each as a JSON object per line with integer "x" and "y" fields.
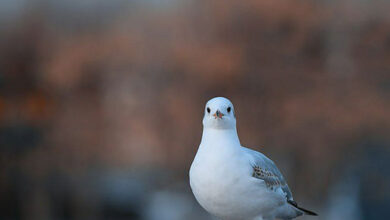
{"x": 360, "y": 191}
{"x": 375, "y": 179}
{"x": 19, "y": 138}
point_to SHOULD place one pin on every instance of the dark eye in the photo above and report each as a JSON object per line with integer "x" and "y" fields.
{"x": 208, "y": 109}
{"x": 229, "y": 109}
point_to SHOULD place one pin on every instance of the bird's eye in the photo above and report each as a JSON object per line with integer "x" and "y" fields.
{"x": 208, "y": 110}
{"x": 229, "y": 109}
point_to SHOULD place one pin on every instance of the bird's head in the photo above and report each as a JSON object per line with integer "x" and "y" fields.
{"x": 219, "y": 114}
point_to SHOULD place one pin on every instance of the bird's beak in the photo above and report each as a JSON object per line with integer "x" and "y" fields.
{"x": 218, "y": 114}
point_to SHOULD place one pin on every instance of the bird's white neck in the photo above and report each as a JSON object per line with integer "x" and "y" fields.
{"x": 220, "y": 136}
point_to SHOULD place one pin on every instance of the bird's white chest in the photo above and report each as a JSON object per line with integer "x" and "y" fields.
{"x": 219, "y": 179}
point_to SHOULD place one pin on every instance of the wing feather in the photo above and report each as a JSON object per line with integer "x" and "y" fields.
{"x": 265, "y": 169}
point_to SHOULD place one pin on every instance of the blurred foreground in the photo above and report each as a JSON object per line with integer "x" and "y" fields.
{"x": 101, "y": 102}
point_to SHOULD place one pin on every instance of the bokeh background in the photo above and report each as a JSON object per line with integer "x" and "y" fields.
{"x": 101, "y": 102}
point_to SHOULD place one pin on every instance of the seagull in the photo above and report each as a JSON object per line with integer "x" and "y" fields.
{"x": 233, "y": 182}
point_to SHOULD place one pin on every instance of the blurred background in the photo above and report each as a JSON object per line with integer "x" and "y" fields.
{"x": 101, "y": 102}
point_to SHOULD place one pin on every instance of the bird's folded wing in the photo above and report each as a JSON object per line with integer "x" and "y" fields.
{"x": 265, "y": 169}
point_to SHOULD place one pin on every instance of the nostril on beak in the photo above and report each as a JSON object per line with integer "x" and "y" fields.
{"x": 218, "y": 114}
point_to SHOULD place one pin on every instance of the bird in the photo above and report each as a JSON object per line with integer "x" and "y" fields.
{"x": 233, "y": 182}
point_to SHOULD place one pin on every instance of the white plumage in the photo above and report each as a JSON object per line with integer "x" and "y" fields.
{"x": 233, "y": 182}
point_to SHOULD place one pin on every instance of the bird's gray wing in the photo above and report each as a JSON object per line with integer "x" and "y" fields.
{"x": 265, "y": 169}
